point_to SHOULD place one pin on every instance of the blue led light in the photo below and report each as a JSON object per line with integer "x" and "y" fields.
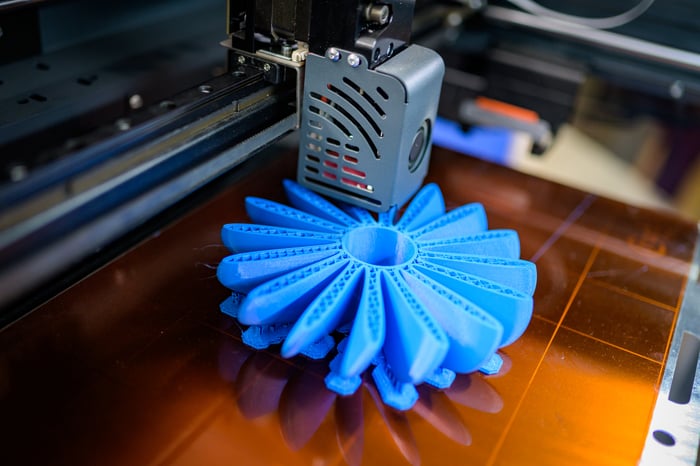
{"x": 422, "y": 298}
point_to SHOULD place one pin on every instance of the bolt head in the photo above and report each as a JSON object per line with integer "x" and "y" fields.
{"x": 18, "y": 172}
{"x": 354, "y": 60}
{"x": 135, "y": 102}
{"x": 676, "y": 89}
{"x": 333, "y": 54}
{"x": 123, "y": 124}
{"x": 267, "y": 67}
{"x": 379, "y": 14}
{"x": 241, "y": 59}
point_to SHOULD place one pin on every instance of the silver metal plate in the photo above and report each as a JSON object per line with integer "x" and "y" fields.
{"x": 674, "y": 432}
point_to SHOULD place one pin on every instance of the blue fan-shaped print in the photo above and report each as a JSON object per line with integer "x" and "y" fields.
{"x": 422, "y": 298}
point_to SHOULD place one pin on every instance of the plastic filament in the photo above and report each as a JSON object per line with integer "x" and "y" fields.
{"x": 420, "y": 298}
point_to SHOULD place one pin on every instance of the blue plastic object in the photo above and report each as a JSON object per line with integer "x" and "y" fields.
{"x": 487, "y": 143}
{"x": 421, "y": 298}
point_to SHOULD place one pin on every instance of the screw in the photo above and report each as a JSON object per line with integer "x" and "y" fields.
{"x": 378, "y": 14}
{"x": 135, "y": 102}
{"x": 677, "y": 89}
{"x": 354, "y": 60}
{"x": 287, "y": 49}
{"x": 122, "y": 124}
{"x": 454, "y": 19}
{"x": 18, "y": 172}
{"x": 266, "y": 67}
{"x": 333, "y": 54}
{"x": 241, "y": 59}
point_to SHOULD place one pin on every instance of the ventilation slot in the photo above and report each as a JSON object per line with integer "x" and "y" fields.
{"x": 383, "y": 93}
{"x": 313, "y": 147}
{"x": 332, "y": 120}
{"x": 346, "y": 114}
{"x": 366, "y": 96}
{"x": 353, "y": 172}
{"x": 87, "y": 80}
{"x": 345, "y": 192}
{"x": 356, "y": 184}
{"x": 357, "y": 107}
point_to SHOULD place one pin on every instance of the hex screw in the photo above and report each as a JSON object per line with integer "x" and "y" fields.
{"x": 266, "y": 67}
{"x": 135, "y": 102}
{"x": 354, "y": 60}
{"x": 333, "y": 54}
{"x": 241, "y": 59}
{"x": 676, "y": 90}
{"x": 287, "y": 49}
{"x": 379, "y": 14}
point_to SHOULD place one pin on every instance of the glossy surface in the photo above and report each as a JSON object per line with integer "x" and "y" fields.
{"x": 136, "y": 365}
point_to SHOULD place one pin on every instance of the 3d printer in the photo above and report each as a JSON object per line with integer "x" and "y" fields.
{"x": 109, "y": 119}
{"x": 115, "y": 117}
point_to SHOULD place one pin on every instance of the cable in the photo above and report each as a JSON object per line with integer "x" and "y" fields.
{"x": 609, "y": 22}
